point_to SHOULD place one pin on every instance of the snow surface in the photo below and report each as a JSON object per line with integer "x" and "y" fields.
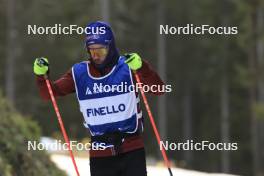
{"x": 65, "y": 163}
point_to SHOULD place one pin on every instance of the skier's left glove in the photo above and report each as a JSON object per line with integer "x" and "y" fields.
{"x": 134, "y": 61}
{"x": 41, "y": 66}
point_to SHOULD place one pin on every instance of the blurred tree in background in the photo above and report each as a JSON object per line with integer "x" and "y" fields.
{"x": 217, "y": 80}
{"x": 15, "y": 158}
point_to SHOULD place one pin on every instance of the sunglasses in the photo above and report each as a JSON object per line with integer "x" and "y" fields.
{"x": 100, "y": 51}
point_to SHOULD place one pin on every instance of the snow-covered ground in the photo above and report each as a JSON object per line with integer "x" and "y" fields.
{"x": 64, "y": 162}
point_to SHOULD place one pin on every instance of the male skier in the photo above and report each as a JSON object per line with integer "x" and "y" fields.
{"x": 113, "y": 118}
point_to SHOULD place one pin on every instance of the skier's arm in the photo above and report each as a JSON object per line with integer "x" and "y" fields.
{"x": 149, "y": 77}
{"x": 146, "y": 73}
{"x": 63, "y": 86}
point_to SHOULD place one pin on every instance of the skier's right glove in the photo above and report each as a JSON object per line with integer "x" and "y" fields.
{"x": 41, "y": 66}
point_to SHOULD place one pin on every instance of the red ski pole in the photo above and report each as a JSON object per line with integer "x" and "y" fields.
{"x": 163, "y": 152}
{"x": 61, "y": 124}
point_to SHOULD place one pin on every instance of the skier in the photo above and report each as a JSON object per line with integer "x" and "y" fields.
{"x": 113, "y": 118}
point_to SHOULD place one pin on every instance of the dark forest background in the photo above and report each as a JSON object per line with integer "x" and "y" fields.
{"x": 217, "y": 80}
